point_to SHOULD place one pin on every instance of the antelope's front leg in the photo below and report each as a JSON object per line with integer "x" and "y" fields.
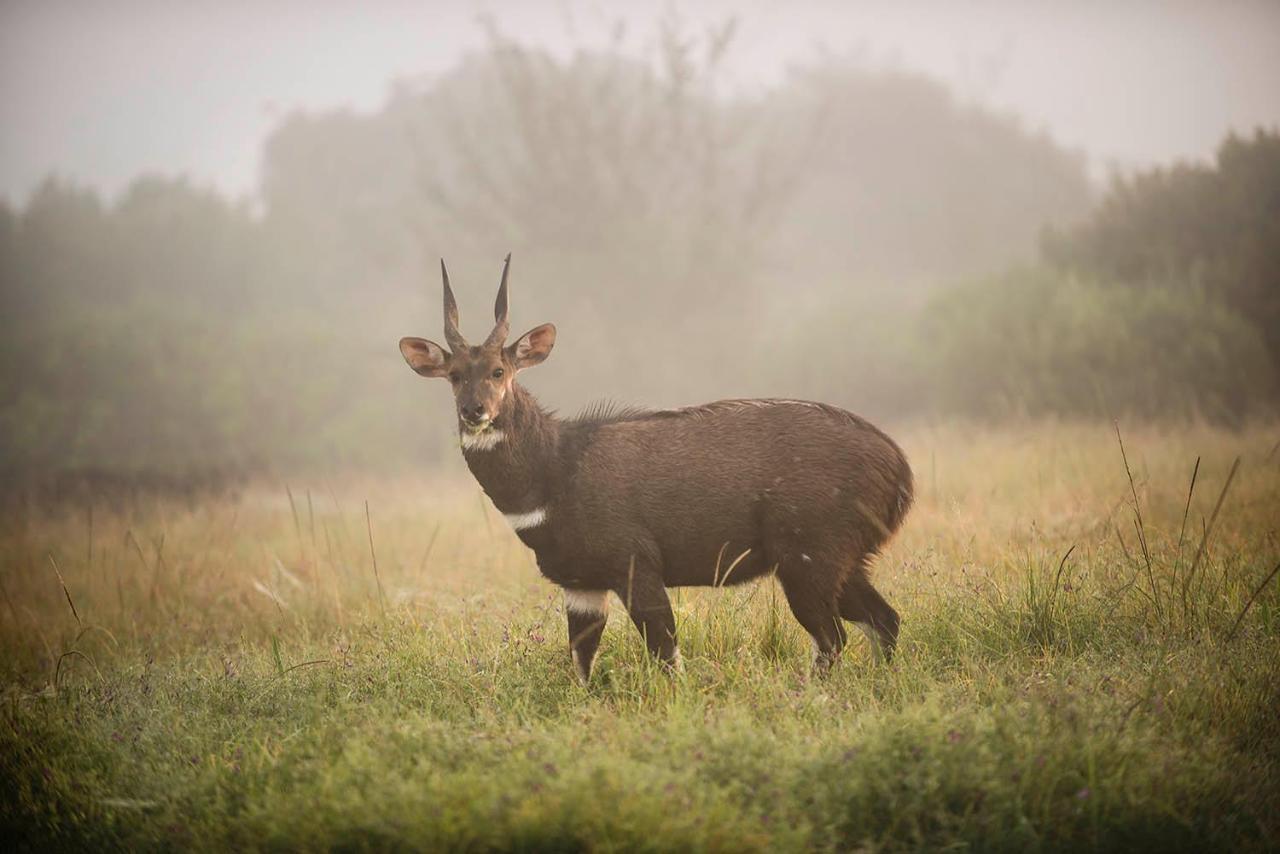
{"x": 588, "y": 611}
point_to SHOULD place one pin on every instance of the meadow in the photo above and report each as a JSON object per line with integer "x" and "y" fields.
{"x": 1090, "y": 658}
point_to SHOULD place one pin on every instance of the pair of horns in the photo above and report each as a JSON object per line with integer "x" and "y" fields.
{"x": 501, "y": 327}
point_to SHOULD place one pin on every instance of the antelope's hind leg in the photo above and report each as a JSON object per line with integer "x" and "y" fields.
{"x": 588, "y": 611}
{"x": 812, "y": 597}
{"x": 650, "y": 608}
{"x": 862, "y": 604}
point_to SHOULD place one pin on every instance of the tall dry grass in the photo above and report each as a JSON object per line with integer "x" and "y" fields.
{"x": 1089, "y": 658}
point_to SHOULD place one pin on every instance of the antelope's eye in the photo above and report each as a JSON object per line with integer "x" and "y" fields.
{"x": 497, "y": 373}
{"x": 455, "y": 377}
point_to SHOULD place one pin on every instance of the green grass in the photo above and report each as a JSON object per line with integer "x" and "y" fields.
{"x": 234, "y": 674}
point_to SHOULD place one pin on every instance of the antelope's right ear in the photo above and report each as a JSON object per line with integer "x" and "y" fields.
{"x": 426, "y": 357}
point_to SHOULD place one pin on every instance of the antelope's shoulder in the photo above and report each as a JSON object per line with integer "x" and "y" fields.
{"x": 599, "y": 428}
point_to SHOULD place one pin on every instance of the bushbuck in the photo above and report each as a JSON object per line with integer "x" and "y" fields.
{"x": 634, "y": 501}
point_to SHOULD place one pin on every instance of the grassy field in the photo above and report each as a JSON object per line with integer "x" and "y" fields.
{"x": 1086, "y": 661}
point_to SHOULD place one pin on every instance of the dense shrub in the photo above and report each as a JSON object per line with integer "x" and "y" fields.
{"x": 1040, "y": 341}
{"x": 1212, "y": 226}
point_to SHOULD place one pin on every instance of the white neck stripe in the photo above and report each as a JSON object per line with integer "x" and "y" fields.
{"x": 486, "y": 441}
{"x": 532, "y": 519}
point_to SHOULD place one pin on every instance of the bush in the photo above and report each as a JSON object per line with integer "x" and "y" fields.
{"x": 1039, "y": 341}
{"x": 1215, "y": 226}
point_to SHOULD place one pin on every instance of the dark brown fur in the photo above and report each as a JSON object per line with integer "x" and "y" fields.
{"x": 636, "y": 501}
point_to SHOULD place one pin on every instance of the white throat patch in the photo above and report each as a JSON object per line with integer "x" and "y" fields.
{"x": 486, "y": 441}
{"x": 532, "y": 519}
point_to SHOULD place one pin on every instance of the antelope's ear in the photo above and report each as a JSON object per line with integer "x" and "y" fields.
{"x": 533, "y": 347}
{"x": 426, "y": 357}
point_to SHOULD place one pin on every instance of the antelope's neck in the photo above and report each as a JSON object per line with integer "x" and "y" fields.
{"x": 514, "y": 460}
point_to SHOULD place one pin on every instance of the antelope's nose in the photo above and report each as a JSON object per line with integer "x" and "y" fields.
{"x": 473, "y": 414}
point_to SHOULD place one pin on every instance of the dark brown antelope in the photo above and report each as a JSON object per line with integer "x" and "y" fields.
{"x": 634, "y": 501}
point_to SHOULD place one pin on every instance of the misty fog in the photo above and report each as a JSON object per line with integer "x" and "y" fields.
{"x": 702, "y": 216}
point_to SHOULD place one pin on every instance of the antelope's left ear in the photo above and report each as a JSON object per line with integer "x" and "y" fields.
{"x": 533, "y": 347}
{"x": 426, "y": 357}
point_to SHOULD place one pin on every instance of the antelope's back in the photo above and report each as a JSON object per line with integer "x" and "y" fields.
{"x": 731, "y": 466}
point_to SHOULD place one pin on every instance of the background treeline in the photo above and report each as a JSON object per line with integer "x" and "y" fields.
{"x": 1165, "y": 301}
{"x": 852, "y": 235}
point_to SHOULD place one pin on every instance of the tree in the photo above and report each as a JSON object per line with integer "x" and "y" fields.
{"x": 1194, "y": 226}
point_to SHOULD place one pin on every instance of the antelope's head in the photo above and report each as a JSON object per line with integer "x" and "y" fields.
{"x": 482, "y": 375}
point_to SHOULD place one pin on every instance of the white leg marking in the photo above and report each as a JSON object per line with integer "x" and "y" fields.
{"x": 877, "y": 647}
{"x": 822, "y": 660}
{"x": 587, "y": 601}
{"x": 532, "y": 519}
{"x": 677, "y": 662}
{"x": 485, "y": 441}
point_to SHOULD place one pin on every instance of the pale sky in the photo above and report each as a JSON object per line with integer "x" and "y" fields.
{"x": 102, "y": 92}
